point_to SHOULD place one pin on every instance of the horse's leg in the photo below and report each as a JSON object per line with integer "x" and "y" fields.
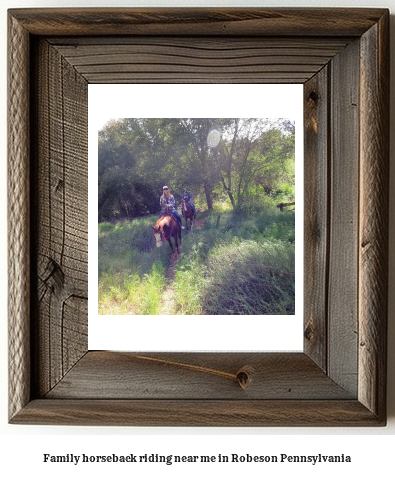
{"x": 171, "y": 245}
{"x": 176, "y": 238}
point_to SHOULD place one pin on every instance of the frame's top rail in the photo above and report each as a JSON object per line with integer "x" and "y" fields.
{"x": 198, "y": 21}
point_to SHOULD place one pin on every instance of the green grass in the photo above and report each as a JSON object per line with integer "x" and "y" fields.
{"x": 121, "y": 294}
{"x": 237, "y": 264}
{"x": 131, "y": 268}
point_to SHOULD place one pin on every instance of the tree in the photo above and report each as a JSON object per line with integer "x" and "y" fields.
{"x": 276, "y": 163}
{"x": 137, "y": 156}
{"x": 196, "y": 131}
{"x": 253, "y": 151}
{"x": 127, "y": 154}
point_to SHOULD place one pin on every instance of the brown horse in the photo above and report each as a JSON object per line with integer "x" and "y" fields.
{"x": 166, "y": 228}
{"x": 187, "y": 212}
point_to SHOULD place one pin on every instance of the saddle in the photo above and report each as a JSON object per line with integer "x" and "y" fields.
{"x": 167, "y": 212}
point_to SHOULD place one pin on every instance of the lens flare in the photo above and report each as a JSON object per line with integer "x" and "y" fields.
{"x": 213, "y": 138}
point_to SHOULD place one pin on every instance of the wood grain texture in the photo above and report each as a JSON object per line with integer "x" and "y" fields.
{"x": 18, "y": 211}
{"x": 344, "y": 216}
{"x": 61, "y": 228}
{"x": 316, "y": 214}
{"x": 202, "y": 413}
{"x": 373, "y": 234}
{"x": 314, "y": 388}
{"x": 110, "y": 375}
{"x": 193, "y": 59}
{"x": 260, "y": 22}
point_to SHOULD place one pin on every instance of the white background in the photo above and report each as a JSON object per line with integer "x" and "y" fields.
{"x": 151, "y": 333}
{"x": 22, "y": 446}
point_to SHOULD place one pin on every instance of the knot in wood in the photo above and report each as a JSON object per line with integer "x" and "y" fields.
{"x": 54, "y": 276}
{"x": 313, "y": 96}
{"x": 244, "y": 376}
{"x": 308, "y": 332}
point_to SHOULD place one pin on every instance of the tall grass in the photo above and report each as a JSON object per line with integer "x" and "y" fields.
{"x": 239, "y": 264}
{"x": 131, "y": 268}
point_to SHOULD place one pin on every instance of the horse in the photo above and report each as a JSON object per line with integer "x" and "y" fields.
{"x": 187, "y": 212}
{"x": 165, "y": 228}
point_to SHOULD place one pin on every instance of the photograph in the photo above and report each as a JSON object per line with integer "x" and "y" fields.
{"x": 218, "y": 194}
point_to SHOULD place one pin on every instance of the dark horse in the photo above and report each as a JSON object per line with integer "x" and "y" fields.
{"x": 187, "y": 212}
{"x": 166, "y": 228}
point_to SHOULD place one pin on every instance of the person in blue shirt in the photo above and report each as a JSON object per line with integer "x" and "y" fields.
{"x": 167, "y": 201}
{"x": 188, "y": 197}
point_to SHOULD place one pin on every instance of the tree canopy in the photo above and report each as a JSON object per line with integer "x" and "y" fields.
{"x": 241, "y": 160}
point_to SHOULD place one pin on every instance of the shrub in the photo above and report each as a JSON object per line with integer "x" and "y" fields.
{"x": 238, "y": 264}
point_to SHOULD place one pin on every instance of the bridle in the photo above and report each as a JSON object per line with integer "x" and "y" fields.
{"x": 162, "y": 239}
{"x": 185, "y": 205}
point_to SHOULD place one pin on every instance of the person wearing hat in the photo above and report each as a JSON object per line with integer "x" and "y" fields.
{"x": 188, "y": 197}
{"x": 167, "y": 201}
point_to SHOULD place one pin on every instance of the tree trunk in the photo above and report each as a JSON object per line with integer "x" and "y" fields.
{"x": 208, "y": 195}
{"x": 228, "y": 191}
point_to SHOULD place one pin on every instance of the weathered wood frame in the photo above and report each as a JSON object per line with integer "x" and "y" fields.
{"x": 342, "y": 57}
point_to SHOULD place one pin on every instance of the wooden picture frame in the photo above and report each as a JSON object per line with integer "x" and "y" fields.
{"x": 342, "y": 58}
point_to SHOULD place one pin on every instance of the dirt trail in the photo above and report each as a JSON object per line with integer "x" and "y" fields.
{"x": 167, "y": 304}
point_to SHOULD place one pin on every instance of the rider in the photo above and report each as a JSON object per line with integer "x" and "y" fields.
{"x": 187, "y": 197}
{"x": 167, "y": 201}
